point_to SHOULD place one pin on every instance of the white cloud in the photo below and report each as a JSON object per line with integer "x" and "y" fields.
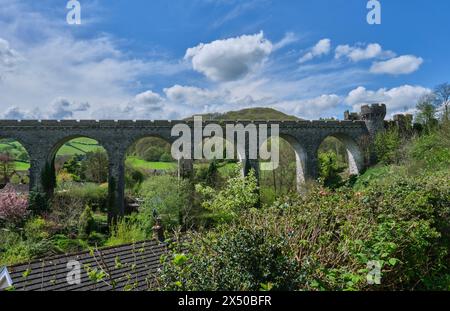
{"x": 62, "y": 108}
{"x": 398, "y": 99}
{"x": 312, "y": 108}
{"x": 322, "y": 47}
{"x": 230, "y": 59}
{"x": 288, "y": 39}
{"x": 405, "y": 64}
{"x": 359, "y": 53}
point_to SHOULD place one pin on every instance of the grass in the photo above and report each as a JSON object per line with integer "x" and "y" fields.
{"x": 142, "y": 164}
{"x": 80, "y": 145}
{"x": 21, "y": 166}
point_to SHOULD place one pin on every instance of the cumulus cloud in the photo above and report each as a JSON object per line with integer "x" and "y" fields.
{"x": 229, "y": 59}
{"x": 359, "y": 53}
{"x": 310, "y": 108}
{"x": 405, "y": 64}
{"x": 321, "y": 48}
{"x": 62, "y": 108}
{"x": 15, "y": 113}
{"x": 399, "y": 99}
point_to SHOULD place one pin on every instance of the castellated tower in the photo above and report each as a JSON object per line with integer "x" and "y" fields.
{"x": 373, "y": 116}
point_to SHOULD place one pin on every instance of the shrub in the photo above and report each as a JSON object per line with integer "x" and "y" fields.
{"x": 13, "y": 208}
{"x": 237, "y": 195}
{"x": 169, "y": 197}
{"x": 93, "y": 195}
{"x": 433, "y": 149}
{"x": 330, "y": 169}
{"x": 126, "y": 230}
{"x": 86, "y": 224}
{"x": 324, "y": 241}
{"x": 38, "y": 202}
{"x": 166, "y": 157}
{"x": 387, "y": 146}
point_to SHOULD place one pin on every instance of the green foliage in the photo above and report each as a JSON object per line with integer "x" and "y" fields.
{"x": 433, "y": 149}
{"x": 325, "y": 240}
{"x": 212, "y": 173}
{"x": 151, "y": 149}
{"x": 427, "y": 112}
{"x": 93, "y": 195}
{"x": 387, "y": 146}
{"x": 73, "y": 166}
{"x": 169, "y": 197}
{"x": 86, "y": 223}
{"x": 38, "y": 202}
{"x": 65, "y": 245}
{"x": 94, "y": 167}
{"x": 238, "y": 194}
{"x": 126, "y": 230}
{"x": 330, "y": 169}
{"x": 166, "y": 157}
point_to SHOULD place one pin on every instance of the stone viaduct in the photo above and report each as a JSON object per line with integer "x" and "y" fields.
{"x": 43, "y": 138}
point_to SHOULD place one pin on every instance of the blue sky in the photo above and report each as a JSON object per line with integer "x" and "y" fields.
{"x": 170, "y": 59}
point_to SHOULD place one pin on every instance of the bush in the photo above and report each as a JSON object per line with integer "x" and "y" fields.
{"x": 325, "y": 241}
{"x": 13, "y": 208}
{"x": 93, "y": 195}
{"x": 86, "y": 224}
{"x": 237, "y": 195}
{"x": 433, "y": 149}
{"x": 166, "y": 157}
{"x": 126, "y": 230}
{"x": 330, "y": 169}
{"x": 169, "y": 197}
{"x": 387, "y": 146}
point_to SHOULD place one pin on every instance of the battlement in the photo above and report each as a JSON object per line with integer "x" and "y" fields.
{"x": 374, "y": 111}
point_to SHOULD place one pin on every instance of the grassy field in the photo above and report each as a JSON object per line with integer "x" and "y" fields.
{"x": 142, "y": 164}
{"x": 79, "y": 146}
{"x": 22, "y": 166}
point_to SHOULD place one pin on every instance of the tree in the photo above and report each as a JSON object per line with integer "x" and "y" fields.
{"x": 95, "y": 167}
{"x": 442, "y": 93}
{"x": 7, "y": 167}
{"x": 427, "y": 111}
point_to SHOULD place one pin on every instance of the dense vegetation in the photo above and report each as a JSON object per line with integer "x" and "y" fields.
{"x": 397, "y": 215}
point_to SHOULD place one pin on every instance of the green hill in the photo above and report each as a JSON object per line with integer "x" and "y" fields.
{"x": 249, "y": 114}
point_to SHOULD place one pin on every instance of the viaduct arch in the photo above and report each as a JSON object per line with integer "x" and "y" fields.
{"x": 42, "y": 137}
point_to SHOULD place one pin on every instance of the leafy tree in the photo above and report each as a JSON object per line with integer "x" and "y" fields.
{"x": 427, "y": 112}
{"x": 387, "y": 145}
{"x": 95, "y": 167}
{"x": 330, "y": 169}
{"x": 73, "y": 166}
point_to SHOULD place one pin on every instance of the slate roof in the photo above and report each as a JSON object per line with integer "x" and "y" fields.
{"x": 126, "y": 267}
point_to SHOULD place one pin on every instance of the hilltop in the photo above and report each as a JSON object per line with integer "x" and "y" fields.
{"x": 249, "y": 114}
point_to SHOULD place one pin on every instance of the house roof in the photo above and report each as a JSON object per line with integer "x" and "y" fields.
{"x": 126, "y": 267}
